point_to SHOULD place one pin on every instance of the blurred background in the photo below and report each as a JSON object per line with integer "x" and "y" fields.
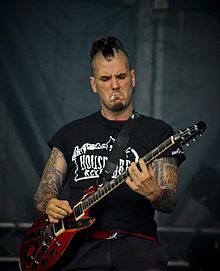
{"x": 174, "y": 46}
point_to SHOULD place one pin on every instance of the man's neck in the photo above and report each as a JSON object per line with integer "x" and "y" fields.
{"x": 117, "y": 116}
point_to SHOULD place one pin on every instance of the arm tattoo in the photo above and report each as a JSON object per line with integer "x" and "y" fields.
{"x": 52, "y": 180}
{"x": 166, "y": 175}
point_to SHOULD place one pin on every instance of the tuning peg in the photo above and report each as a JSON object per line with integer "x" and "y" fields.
{"x": 201, "y": 135}
{"x": 189, "y": 131}
{"x": 194, "y": 139}
{"x": 187, "y": 144}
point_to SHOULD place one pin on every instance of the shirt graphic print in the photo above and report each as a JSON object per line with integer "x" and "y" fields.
{"x": 90, "y": 159}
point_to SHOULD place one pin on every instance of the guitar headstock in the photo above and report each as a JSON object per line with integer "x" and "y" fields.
{"x": 190, "y": 133}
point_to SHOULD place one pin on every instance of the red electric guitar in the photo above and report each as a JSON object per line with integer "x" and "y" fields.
{"x": 45, "y": 244}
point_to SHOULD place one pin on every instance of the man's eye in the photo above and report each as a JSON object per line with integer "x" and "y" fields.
{"x": 105, "y": 78}
{"x": 121, "y": 76}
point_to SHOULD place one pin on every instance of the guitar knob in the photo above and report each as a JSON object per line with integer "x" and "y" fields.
{"x": 53, "y": 252}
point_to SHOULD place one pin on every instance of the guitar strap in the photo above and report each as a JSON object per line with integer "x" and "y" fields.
{"x": 117, "y": 149}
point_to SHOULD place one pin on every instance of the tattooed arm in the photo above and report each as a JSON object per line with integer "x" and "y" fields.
{"x": 157, "y": 182}
{"x": 50, "y": 186}
{"x": 166, "y": 173}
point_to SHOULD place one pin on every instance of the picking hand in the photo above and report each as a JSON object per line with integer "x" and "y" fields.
{"x": 57, "y": 209}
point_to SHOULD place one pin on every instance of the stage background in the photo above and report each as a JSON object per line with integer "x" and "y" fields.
{"x": 44, "y": 69}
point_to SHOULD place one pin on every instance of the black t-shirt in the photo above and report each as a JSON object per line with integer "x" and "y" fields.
{"x": 86, "y": 144}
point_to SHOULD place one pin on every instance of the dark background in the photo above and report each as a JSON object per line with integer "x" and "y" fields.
{"x": 44, "y": 69}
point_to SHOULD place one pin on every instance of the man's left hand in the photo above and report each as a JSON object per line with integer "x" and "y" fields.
{"x": 142, "y": 180}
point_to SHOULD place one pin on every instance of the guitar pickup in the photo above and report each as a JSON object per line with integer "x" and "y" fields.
{"x": 78, "y": 211}
{"x": 59, "y": 227}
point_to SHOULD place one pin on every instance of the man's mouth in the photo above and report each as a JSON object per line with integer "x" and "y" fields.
{"x": 114, "y": 97}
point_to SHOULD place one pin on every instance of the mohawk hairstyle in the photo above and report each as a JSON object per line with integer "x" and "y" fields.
{"x": 106, "y": 46}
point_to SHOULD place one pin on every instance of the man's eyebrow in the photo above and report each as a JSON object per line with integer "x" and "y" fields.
{"x": 121, "y": 73}
{"x": 105, "y": 76}
{"x": 117, "y": 75}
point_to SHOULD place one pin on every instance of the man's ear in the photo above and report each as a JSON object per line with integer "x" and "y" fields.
{"x": 133, "y": 78}
{"x": 93, "y": 84}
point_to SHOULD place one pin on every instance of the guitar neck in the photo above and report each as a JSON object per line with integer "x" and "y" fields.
{"x": 107, "y": 188}
{"x": 148, "y": 158}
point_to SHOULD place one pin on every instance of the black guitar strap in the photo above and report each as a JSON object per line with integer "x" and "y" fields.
{"x": 117, "y": 149}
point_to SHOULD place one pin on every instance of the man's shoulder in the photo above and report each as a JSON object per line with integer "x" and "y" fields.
{"x": 80, "y": 121}
{"x": 153, "y": 122}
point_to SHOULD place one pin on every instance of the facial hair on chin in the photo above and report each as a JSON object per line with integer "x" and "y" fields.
{"x": 117, "y": 107}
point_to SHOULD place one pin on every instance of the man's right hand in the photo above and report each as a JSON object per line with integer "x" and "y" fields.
{"x": 57, "y": 209}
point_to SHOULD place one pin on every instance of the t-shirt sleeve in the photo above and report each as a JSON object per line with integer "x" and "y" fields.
{"x": 174, "y": 151}
{"x": 60, "y": 141}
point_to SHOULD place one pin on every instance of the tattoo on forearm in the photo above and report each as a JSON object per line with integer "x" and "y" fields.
{"x": 51, "y": 181}
{"x": 166, "y": 175}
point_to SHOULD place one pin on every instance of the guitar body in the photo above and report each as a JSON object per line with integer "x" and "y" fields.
{"x": 43, "y": 245}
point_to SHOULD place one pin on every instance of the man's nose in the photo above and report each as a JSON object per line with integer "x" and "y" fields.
{"x": 115, "y": 83}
